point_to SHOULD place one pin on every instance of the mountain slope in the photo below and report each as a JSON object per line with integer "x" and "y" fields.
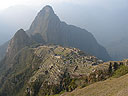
{"x": 45, "y": 67}
{"x": 19, "y": 41}
{"x": 110, "y": 87}
{"x": 28, "y": 69}
{"x": 53, "y": 31}
{"x": 3, "y": 49}
{"x": 48, "y": 70}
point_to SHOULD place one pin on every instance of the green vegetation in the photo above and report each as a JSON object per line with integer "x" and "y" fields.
{"x": 18, "y": 76}
{"x": 110, "y": 87}
{"x": 37, "y": 72}
{"x": 122, "y": 70}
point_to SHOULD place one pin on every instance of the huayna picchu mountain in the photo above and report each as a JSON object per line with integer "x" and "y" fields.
{"x": 48, "y": 26}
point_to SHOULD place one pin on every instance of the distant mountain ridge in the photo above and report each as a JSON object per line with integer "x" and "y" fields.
{"x": 48, "y": 26}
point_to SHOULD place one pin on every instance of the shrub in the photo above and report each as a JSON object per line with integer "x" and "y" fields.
{"x": 122, "y": 70}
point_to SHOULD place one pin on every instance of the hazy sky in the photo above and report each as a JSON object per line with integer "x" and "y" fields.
{"x": 7, "y": 3}
{"x": 103, "y": 18}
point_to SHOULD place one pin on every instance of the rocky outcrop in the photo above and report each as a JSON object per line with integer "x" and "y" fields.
{"x": 53, "y": 31}
{"x": 19, "y": 41}
{"x": 13, "y": 47}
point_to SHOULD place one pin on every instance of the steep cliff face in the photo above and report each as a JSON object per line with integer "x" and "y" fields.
{"x": 15, "y": 45}
{"x": 41, "y": 23}
{"x": 52, "y": 30}
{"x": 3, "y": 49}
{"x": 19, "y": 41}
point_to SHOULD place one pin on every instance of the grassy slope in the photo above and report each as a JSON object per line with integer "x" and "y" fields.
{"x": 110, "y": 87}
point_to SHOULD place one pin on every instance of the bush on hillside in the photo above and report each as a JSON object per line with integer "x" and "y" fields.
{"x": 122, "y": 70}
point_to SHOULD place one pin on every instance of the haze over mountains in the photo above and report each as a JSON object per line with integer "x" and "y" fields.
{"x": 12, "y": 19}
{"x": 53, "y": 31}
{"x": 53, "y": 56}
{"x": 31, "y": 67}
{"x": 48, "y": 28}
{"x": 111, "y": 24}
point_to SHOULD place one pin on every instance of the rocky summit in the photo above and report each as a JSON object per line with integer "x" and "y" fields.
{"x": 48, "y": 27}
{"x": 19, "y": 41}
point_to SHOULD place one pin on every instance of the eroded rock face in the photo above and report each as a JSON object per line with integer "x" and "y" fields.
{"x": 53, "y": 31}
{"x": 15, "y": 45}
{"x": 42, "y": 21}
{"x": 19, "y": 41}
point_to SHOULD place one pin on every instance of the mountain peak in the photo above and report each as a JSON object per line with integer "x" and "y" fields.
{"x": 20, "y": 32}
{"x": 47, "y": 9}
{"x": 19, "y": 41}
{"x": 45, "y": 18}
{"x": 48, "y": 26}
{"x": 48, "y": 6}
